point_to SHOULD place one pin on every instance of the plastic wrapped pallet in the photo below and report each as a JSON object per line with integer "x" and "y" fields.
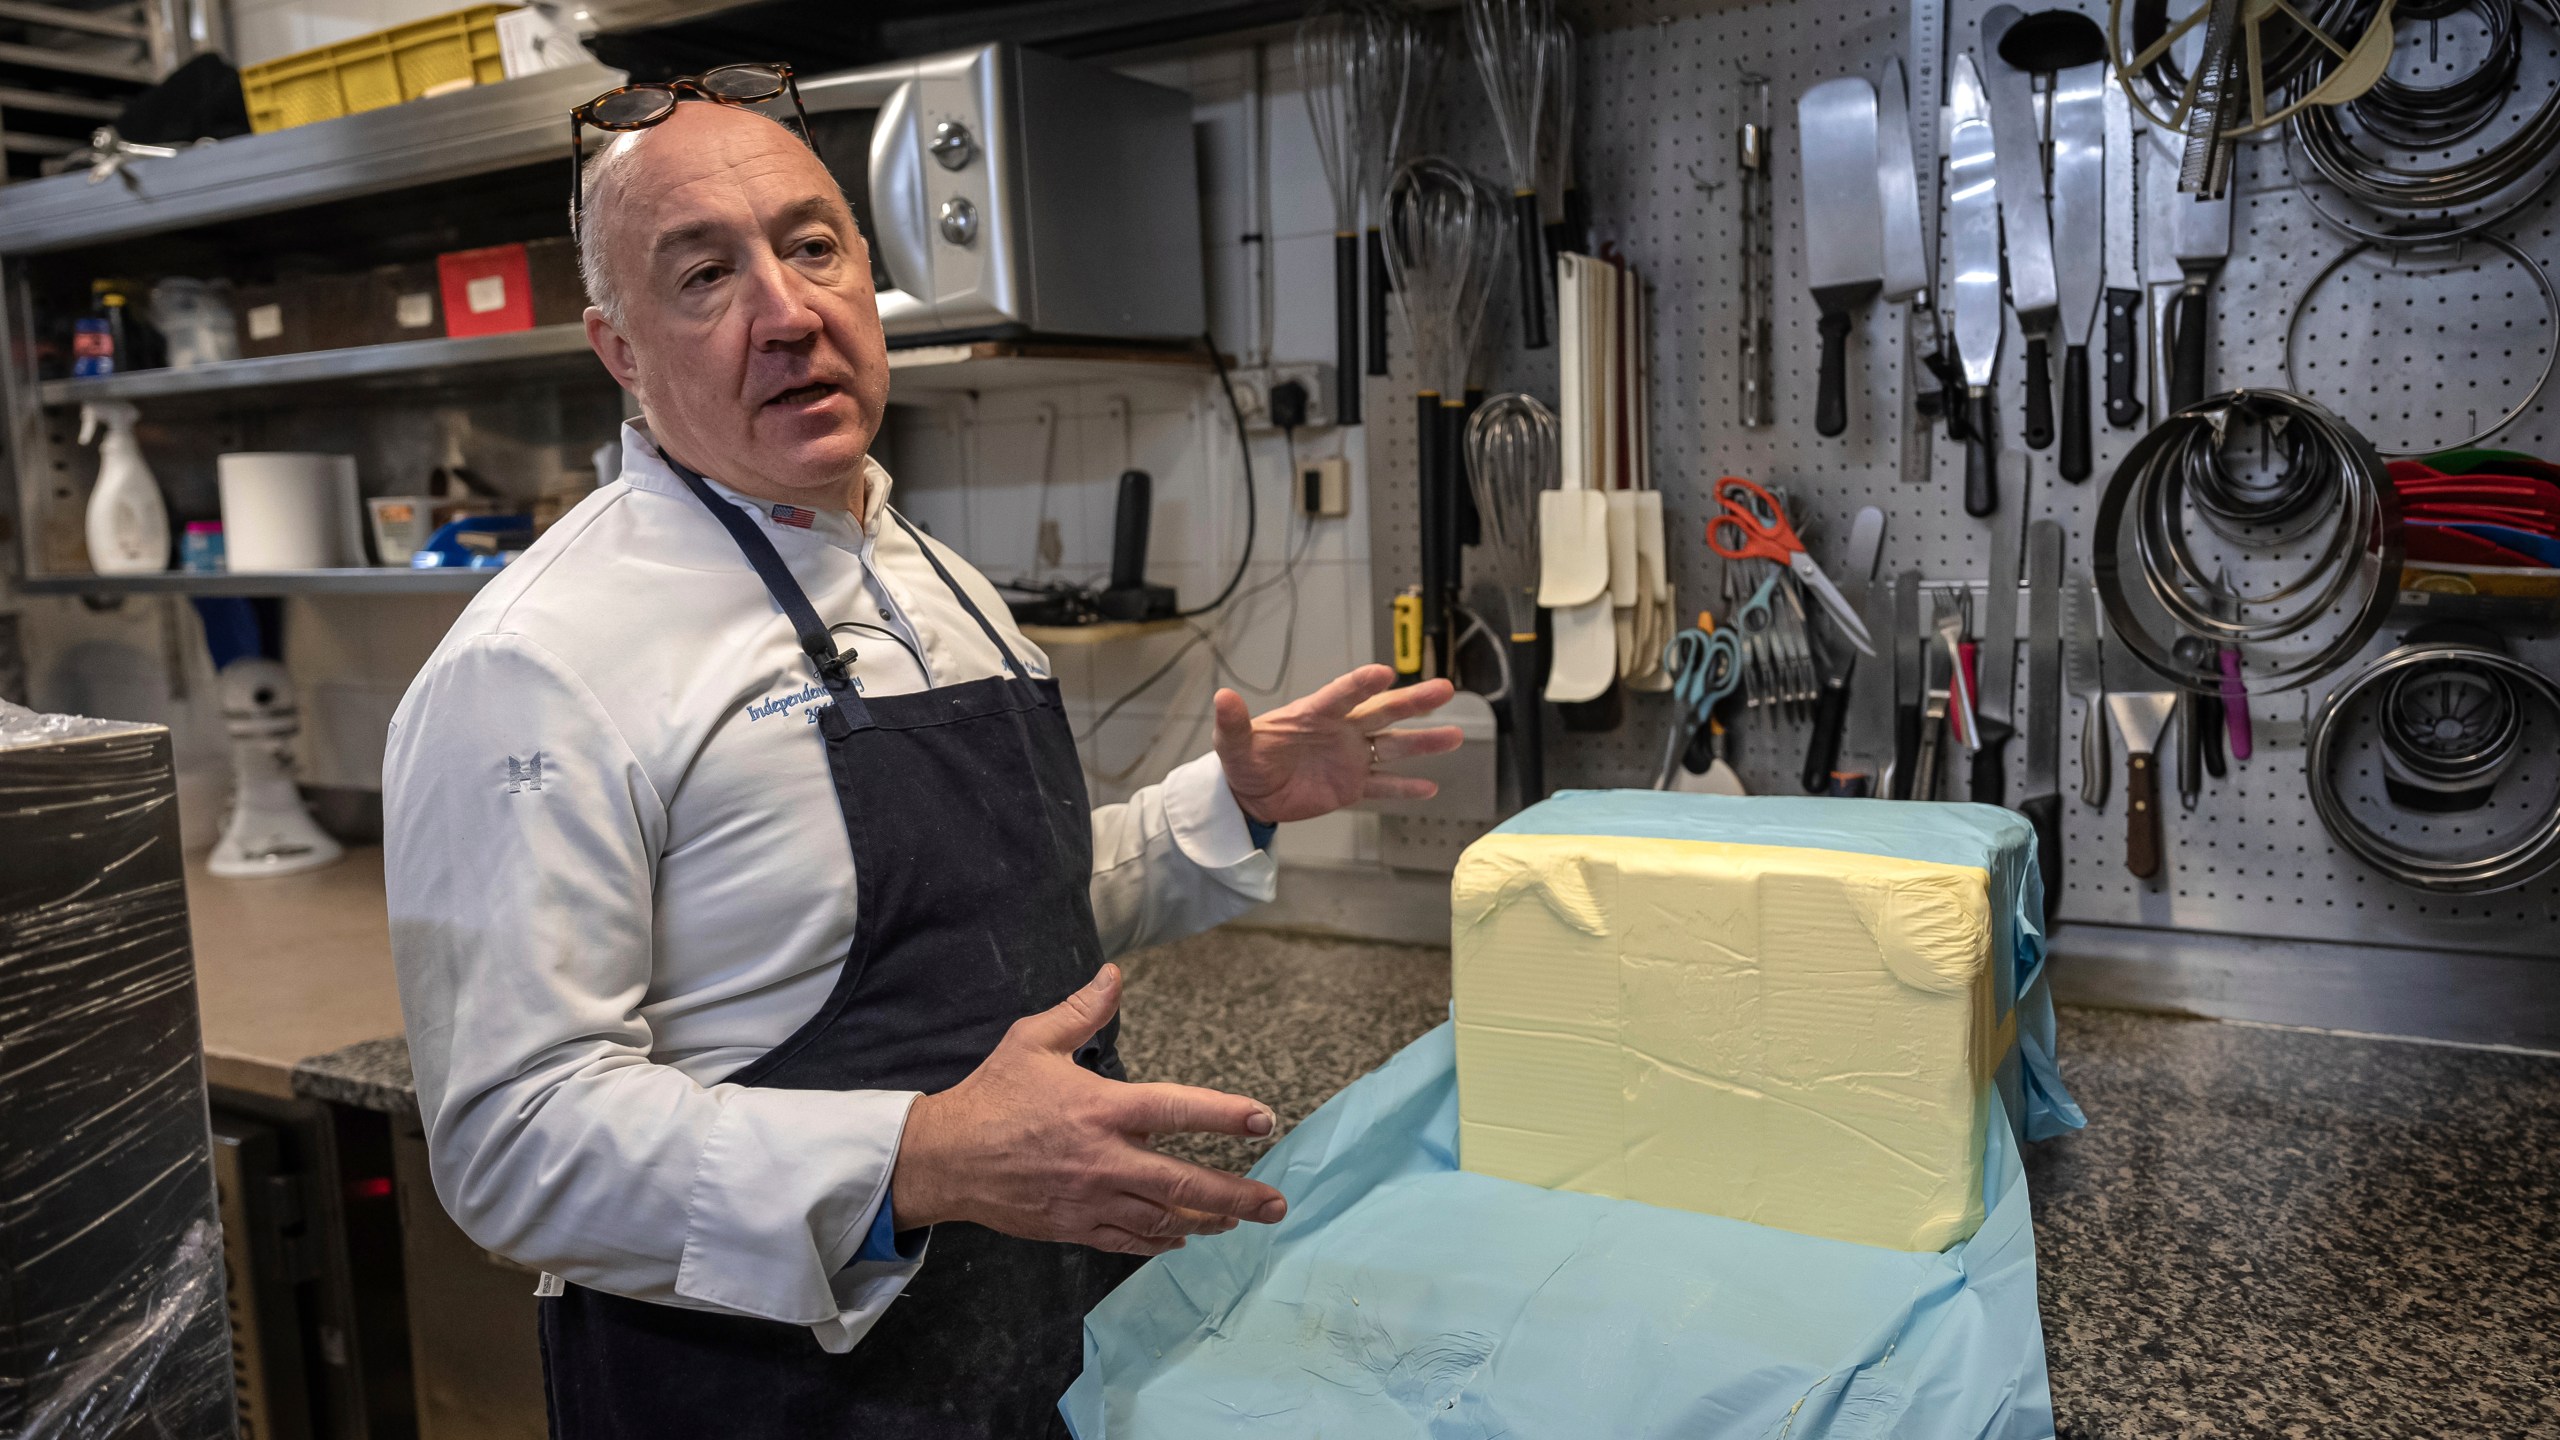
{"x": 112, "y": 1322}
{"x": 1404, "y": 1295}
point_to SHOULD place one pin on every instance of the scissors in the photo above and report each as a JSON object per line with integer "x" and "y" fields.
{"x": 1771, "y": 538}
{"x": 1705, "y": 666}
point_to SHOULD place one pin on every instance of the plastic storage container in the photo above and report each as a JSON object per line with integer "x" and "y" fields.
{"x": 387, "y": 67}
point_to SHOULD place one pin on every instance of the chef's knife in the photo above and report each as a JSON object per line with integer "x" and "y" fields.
{"x": 2020, "y": 144}
{"x": 2089, "y": 682}
{"x": 1910, "y": 681}
{"x": 1843, "y": 225}
{"x": 1868, "y": 746}
{"x": 1839, "y": 657}
{"x": 2201, "y": 230}
{"x": 1973, "y": 240}
{"x": 1994, "y": 703}
{"x": 1906, "y": 259}
{"x": 2123, "y": 281}
{"x": 1906, "y": 271}
{"x": 2043, "y": 805}
{"x": 2079, "y": 189}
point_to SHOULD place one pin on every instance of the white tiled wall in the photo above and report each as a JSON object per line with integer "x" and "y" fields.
{"x": 972, "y": 470}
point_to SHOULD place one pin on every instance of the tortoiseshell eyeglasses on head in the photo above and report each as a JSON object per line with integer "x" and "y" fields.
{"x": 637, "y": 107}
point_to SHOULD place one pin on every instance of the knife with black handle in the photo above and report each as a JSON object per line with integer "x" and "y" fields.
{"x": 2043, "y": 721}
{"x": 1843, "y": 225}
{"x": 2079, "y": 223}
{"x": 2122, "y": 297}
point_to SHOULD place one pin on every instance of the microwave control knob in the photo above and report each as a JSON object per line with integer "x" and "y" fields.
{"x": 953, "y": 146}
{"x": 959, "y": 221}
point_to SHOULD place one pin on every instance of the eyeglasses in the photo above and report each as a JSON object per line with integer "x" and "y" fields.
{"x": 637, "y": 107}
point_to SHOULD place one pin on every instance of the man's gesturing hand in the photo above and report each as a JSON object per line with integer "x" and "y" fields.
{"x": 1314, "y": 755}
{"x": 1035, "y": 1145}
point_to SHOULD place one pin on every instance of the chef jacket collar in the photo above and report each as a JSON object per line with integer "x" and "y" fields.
{"x": 644, "y": 468}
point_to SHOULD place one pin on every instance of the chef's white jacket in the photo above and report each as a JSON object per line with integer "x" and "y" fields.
{"x": 617, "y": 873}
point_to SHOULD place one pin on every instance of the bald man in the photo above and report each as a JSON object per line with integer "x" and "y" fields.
{"x": 751, "y": 919}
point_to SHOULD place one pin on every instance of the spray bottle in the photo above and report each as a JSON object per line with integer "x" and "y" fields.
{"x": 128, "y": 521}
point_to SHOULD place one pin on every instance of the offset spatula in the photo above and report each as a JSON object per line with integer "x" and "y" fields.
{"x": 2201, "y": 230}
{"x": 2024, "y": 224}
{"x": 1973, "y": 242}
{"x": 2079, "y": 191}
{"x": 2139, "y": 717}
{"x": 1843, "y": 225}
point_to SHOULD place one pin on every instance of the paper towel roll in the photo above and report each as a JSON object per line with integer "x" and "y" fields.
{"x": 283, "y": 510}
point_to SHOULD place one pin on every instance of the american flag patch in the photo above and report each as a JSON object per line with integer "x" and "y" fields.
{"x": 794, "y": 516}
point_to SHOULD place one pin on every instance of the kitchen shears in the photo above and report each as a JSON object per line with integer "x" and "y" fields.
{"x": 1759, "y": 531}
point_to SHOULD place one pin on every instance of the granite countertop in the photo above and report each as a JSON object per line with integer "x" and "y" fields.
{"x": 2262, "y": 1232}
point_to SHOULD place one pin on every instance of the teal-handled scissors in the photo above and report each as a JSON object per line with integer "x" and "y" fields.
{"x": 1750, "y": 526}
{"x": 1705, "y": 666}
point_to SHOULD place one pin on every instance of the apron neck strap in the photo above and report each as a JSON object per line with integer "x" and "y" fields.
{"x": 1013, "y": 667}
{"x": 815, "y": 641}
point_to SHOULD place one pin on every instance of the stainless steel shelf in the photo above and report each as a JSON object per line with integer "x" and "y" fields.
{"x": 411, "y": 360}
{"x": 381, "y": 581}
{"x": 470, "y": 132}
{"x": 927, "y": 370}
{"x": 988, "y": 365}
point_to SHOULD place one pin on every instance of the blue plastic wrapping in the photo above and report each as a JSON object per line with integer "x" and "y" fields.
{"x": 1405, "y": 1297}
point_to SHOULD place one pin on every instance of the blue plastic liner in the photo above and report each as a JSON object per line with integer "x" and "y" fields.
{"x": 1405, "y": 1297}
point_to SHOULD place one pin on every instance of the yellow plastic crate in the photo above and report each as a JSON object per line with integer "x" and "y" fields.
{"x": 384, "y": 68}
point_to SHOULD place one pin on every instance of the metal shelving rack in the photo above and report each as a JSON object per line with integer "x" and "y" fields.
{"x": 406, "y": 168}
{"x": 68, "y": 67}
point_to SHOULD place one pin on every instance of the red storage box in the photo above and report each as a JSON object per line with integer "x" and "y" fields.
{"x": 486, "y": 292}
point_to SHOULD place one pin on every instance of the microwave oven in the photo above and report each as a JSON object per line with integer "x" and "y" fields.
{"x": 1007, "y": 192}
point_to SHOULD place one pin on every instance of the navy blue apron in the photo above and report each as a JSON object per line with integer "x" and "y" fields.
{"x": 973, "y": 854}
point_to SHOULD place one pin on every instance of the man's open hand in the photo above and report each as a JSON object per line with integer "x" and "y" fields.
{"x": 1034, "y": 1145}
{"x": 1313, "y": 755}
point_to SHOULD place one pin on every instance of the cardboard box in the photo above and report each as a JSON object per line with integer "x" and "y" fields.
{"x": 303, "y": 312}
{"x": 488, "y": 291}
{"x": 559, "y": 296}
{"x": 404, "y": 302}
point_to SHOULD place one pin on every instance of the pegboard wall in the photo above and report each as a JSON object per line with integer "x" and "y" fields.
{"x": 2410, "y": 350}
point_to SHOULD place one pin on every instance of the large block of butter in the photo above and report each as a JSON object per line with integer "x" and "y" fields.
{"x": 1736, "y": 1006}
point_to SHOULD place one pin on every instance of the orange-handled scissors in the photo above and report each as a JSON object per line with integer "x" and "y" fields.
{"x": 1759, "y": 531}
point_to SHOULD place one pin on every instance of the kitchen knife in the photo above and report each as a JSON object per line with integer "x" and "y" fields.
{"x": 2089, "y": 682}
{"x": 2139, "y": 716}
{"x": 2123, "y": 281}
{"x": 2201, "y": 231}
{"x": 2079, "y": 190}
{"x": 1839, "y": 658}
{"x": 1843, "y": 225}
{"x": 1906, "y": 259}
{"x": 1868, "y": 746}
{"x": 2019, "y": 141}
{"x": 1906, "y": 270}
{"x": 1994, "y": 701}
{"x": 2043, "y": 805}
{"x": 1973, "y": 239}
{"x": 1910, "y": 681}
{"x": 2161, "y": 274}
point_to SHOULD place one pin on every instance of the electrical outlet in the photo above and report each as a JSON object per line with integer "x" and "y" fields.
{"x": 1253, "y": 392}
{"x": 1324, "y": 487}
